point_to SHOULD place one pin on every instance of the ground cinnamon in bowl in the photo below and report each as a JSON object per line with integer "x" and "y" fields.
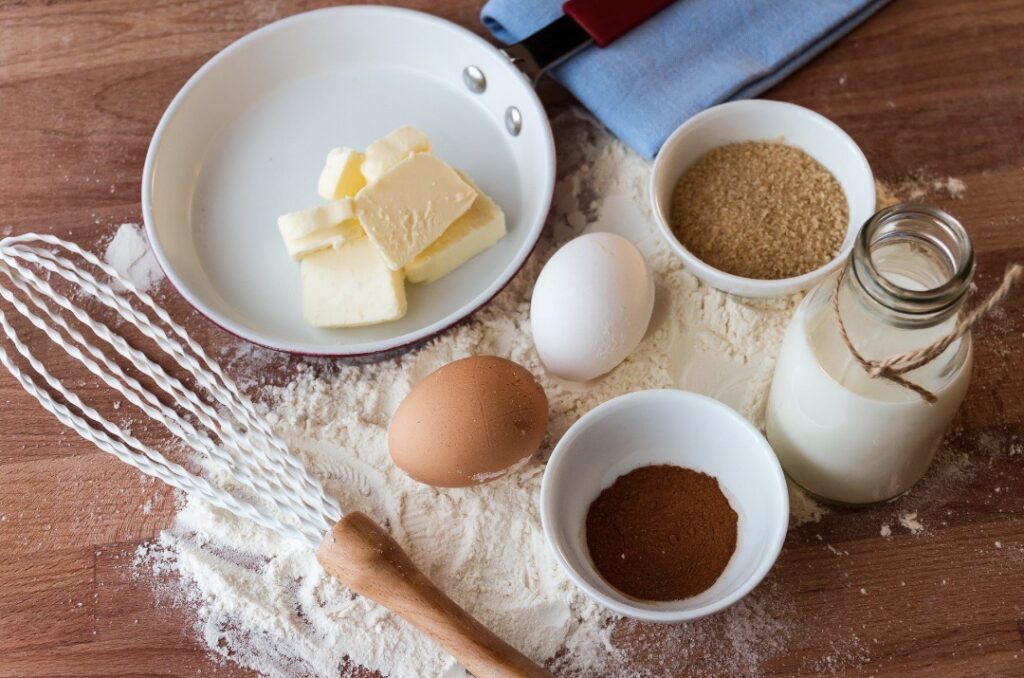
{"x": 661, "y": 532}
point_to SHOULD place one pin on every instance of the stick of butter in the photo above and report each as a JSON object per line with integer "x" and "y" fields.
{"x": 317, "y": 228}
{"x": 341, "y": 176}
{"x": 411, "y": 206}
{"x": 350, "y": 286}
{"x": 469, "y": 235}
{"x": 391, "y": 149}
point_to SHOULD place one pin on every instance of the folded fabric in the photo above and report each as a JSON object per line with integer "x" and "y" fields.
{"x": 691, "y": 55}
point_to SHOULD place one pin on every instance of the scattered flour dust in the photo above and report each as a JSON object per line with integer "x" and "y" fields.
{"x": 130, "y": 255}
{"x": 266, "y": 604}
{"x": 909, "y": 520}
{"x": 802, "y": 508}
{"x": 920, "y": 185}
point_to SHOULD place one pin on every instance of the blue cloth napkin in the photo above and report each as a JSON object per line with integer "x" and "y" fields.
{"x": 691, "y": 55}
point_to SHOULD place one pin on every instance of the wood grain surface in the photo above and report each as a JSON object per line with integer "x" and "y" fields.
{"x": 930, "y": 90}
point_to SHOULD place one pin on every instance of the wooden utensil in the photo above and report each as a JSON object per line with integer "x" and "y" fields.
{"x": 364, "y": 557}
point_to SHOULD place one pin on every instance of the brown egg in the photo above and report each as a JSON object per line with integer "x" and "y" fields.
{"x": 469, "y": 422}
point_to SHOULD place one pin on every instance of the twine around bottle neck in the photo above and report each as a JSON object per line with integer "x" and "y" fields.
{"x": 895, "y": 367}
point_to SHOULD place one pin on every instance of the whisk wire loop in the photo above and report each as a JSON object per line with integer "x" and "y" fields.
{"x": 239, "y": 461}
{"x": 240, "y": 406}
{"x": 115, "y": 440}
{"x": 241, "y": 443}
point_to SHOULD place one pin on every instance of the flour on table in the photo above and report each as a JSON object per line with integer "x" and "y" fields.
{"x": 130, "y": 255}
{"x": 909, "y": 520}
{"x": 266, "y": 604}
{"x": 802, "y": 508}
{"x": 922, "y": 185}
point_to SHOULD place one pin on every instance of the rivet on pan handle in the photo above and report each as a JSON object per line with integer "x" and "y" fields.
{"x": 585, "y": 21}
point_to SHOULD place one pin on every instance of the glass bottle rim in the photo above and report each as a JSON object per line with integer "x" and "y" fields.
{"x": 957, "y": 251}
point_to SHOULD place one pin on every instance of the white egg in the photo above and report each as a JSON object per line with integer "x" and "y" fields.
{"x": 591, "y": 306}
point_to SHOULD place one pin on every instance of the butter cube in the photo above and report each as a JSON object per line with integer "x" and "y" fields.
{"x": 411, "y": 206}
{"x": 341, "y": 176}
{"x": 350, "y": 286}
{"x": 321, "y": 240}
{"x": 304, "y": 222}
{"x": 317, "y": 228}
{"x": 469, "y": 235}
{"x": 391, "y": 149}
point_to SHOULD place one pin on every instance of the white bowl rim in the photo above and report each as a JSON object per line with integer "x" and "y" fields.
{"x": 729, "y": 282}
{"x": 382, "y": 347}
{"x": 548, "y": 490}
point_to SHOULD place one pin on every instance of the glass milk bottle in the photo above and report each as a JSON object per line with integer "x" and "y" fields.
{"x": 840, "y": 433}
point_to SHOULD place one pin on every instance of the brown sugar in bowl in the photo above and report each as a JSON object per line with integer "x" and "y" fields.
{"x": 762, "y": 120}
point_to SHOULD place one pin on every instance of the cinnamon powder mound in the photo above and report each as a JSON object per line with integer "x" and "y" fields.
{"x": 661, "y": 532}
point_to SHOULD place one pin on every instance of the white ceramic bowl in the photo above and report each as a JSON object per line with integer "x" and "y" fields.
{"x": 245, "y": 139}
{"x": 762, "y": 120}
{"x": 666, "y": 427}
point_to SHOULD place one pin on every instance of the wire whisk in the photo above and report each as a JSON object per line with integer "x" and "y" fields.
{"x": 47, "y": 281}
{"x": 234, "y": 436}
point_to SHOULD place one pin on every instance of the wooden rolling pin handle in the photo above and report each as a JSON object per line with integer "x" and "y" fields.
{"x": 364, "y": 557}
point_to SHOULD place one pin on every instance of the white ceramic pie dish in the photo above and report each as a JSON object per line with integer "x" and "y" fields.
{"x": 245, "y": 139}
{"x": 762, "y": 120}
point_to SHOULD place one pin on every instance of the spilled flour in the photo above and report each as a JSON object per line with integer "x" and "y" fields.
{"x": 266, "y": 604}
{"x": 130, "y": 255}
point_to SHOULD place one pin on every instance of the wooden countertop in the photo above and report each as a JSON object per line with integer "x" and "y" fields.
{"x": 930, "y": 90}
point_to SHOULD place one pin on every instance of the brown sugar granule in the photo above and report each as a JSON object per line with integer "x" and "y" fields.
{"x": 661, "y": 532}
{"x": 760, "y": 210}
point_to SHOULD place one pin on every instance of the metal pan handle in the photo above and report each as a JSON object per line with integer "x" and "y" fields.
{"x": 607, "y": 20}
{"x": 585, "y": 22}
